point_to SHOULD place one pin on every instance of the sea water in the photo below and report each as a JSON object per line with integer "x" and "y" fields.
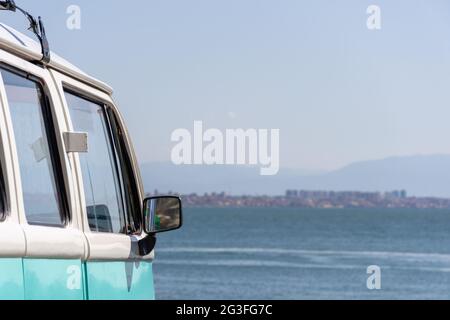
{"x": 279, "y": 253}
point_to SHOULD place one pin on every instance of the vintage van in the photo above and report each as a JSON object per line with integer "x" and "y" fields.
{"x": 74, "y": 223}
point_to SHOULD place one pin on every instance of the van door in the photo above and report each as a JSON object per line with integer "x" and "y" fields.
{"x": 55, "y": 245}
{"x": 111, "y": 196}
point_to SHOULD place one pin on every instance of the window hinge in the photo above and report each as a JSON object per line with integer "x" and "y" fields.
{"x": 76, "y": 142}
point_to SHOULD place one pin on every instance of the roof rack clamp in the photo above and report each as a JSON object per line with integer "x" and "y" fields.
{"x": 36, "y": 26}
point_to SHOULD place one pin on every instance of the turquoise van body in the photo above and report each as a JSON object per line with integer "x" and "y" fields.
{"x": 73, "y": 280}
{"x": 11, "y": 279}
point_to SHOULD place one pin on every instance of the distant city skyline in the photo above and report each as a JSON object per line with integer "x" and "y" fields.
{"x": 317, "y": 200}
{"x": 338, "y": 92}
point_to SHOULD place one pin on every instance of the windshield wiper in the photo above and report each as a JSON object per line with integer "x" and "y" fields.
{"x": 36, "y": 26}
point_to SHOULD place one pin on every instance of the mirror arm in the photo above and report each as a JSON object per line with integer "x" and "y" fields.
{"x": 147, "y": 245}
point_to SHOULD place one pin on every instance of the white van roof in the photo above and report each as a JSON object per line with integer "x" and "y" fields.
{"x": 17, "y": 43}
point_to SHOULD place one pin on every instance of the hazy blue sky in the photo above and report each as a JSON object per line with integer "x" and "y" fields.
{"x": 339, "y": 92}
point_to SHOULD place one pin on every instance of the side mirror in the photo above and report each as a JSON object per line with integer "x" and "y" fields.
{"x": 162, "y": 214}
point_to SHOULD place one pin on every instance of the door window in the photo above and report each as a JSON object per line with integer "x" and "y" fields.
{"x": 101, "y": 177}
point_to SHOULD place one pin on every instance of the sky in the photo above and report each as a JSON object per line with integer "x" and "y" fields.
{"x": 338, "y": 92}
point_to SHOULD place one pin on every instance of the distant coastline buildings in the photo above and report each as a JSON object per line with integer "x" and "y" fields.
{"x": 317, "y": 199}
{"x": 341, "y": 195}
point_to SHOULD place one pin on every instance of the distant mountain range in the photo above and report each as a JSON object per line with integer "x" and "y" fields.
{"x": 419, "y": 175}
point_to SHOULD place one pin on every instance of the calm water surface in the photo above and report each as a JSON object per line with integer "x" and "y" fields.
{"x": 305, "y": 254}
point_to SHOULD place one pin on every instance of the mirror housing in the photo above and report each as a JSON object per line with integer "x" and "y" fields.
{"x": 162, "y": 214}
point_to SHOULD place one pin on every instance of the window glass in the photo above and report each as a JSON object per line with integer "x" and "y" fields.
{"x": 130, "y": 185}
{"x": 99, "y": 167}
{"x": 29, "y": 114}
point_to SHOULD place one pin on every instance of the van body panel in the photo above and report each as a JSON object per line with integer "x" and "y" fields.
{"x": 58, "y": 243}
{"x": 120, "y": 280}
{"x": 53, "y": 279}
{"x": 11, "y": 279}
{"x": 12, "y": 240}
{"x": 108, "y": 247}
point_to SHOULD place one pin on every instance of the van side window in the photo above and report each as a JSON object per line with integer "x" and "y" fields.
{"x": 132, "y": 200}
{"x": 35, "y": 138}
{"x": 101, "y": 176}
